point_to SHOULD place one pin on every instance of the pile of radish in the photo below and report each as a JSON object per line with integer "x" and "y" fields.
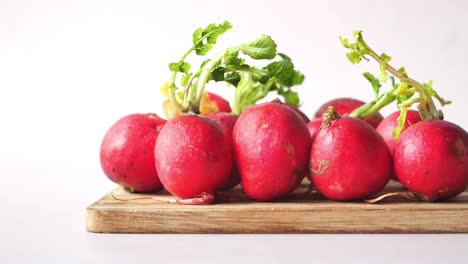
{"x": 348, "y": 151}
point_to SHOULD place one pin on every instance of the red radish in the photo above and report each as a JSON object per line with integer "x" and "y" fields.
{"x": 349, "y": 160}
{"x": 227, "y": 121}
{"x": 271, "y": 144}
{"x": 127, "y": 152}
{"x": 210, "y": 103}
{"x": 298, "y": 111}
{"x": 314, "y": 127}
{"x": 345, "y": 106}
{"x": 295, "y": 108}
{"x": 213, "y": 103}
{"x": 390, "y": 123}
{"x": 193, "y": 156}
{"x": 431, "y": 159}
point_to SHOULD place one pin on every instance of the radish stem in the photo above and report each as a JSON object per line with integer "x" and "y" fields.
{"x": 403, "y": 92}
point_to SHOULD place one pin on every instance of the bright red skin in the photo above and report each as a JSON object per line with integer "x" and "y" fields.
{"x": 127, "y": 152}
{"x": 223, "y": 104}
{"x": 271, "y": 144}
{"x": 389, "y": 123}
{"x": 314, "y": 127}
{"x": 344, "y": 106}
{"x": 431, "y": 158}
{"x": 227, "y": 121}
{"x": 359, "y": 162}
{"x": 298, "y": 111}
{"x": 193, "y": 156}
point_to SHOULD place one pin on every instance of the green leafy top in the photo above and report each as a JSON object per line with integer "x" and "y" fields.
{"x": 252, "y": 82}
{"x": 255, "y": 83}
{"x": 203, "y": 41}
{"x": 205, "y": 38}
{"x": 376, "y": 85}
{"x": 359, "y": 50}
{"x": 402, "y": 92}
{"x": 262, "y": 48}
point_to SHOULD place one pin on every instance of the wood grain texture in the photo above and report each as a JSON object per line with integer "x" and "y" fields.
{"x": 297, "y": 214}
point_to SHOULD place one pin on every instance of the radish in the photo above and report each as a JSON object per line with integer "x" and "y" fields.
{"x": 193, "y": 156}
{"x": 295, "y": 108}
{"x": 271, "y": 144}
{"x": 298, "y": 111}
{"x": 227, "y": 121}
{"x": 345, "y": 106}
{"x": 210, "y": 103}
{"x": 431, "y": 159}
{"x": 127, "y": 152}
{"x": 213, "y": 103}
{"x": 314, "y": 127}
{"x": 390, "y": 123}
{"x": 349, "y": 160}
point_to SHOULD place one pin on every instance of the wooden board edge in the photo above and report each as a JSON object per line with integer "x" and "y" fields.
{"x": 100, "y": 221}
{"x": 116, "y": 219}
{"x": 92, "y": 220}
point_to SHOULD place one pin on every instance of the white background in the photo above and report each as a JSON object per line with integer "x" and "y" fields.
{"x": 69, "y": 69}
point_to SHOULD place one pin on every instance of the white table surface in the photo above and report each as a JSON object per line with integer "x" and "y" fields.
{"x": 69, "y": 69}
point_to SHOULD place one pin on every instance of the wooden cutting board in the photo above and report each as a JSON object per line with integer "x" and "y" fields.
{"x": 299, "y": 213}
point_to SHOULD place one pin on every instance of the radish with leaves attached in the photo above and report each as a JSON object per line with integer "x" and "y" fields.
{"x": 351, "y": 108}
{"x": 194, "y": 154}
{"x": 430, "y": 157}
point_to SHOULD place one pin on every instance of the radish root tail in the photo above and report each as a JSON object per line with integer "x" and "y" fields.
{"x": 406, "y": 195}
{"x": 202, "y": 199}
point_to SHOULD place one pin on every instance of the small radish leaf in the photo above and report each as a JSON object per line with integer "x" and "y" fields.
{"x": 291, "y": 97}
{"x": 262, "y": 48}
{"x": 205, "y": 38}
{"x": 383, "y": 74}
{"x": 432, "y": 92}
{"x": 374, "y": 82}
{"x": 180, "y": 66}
